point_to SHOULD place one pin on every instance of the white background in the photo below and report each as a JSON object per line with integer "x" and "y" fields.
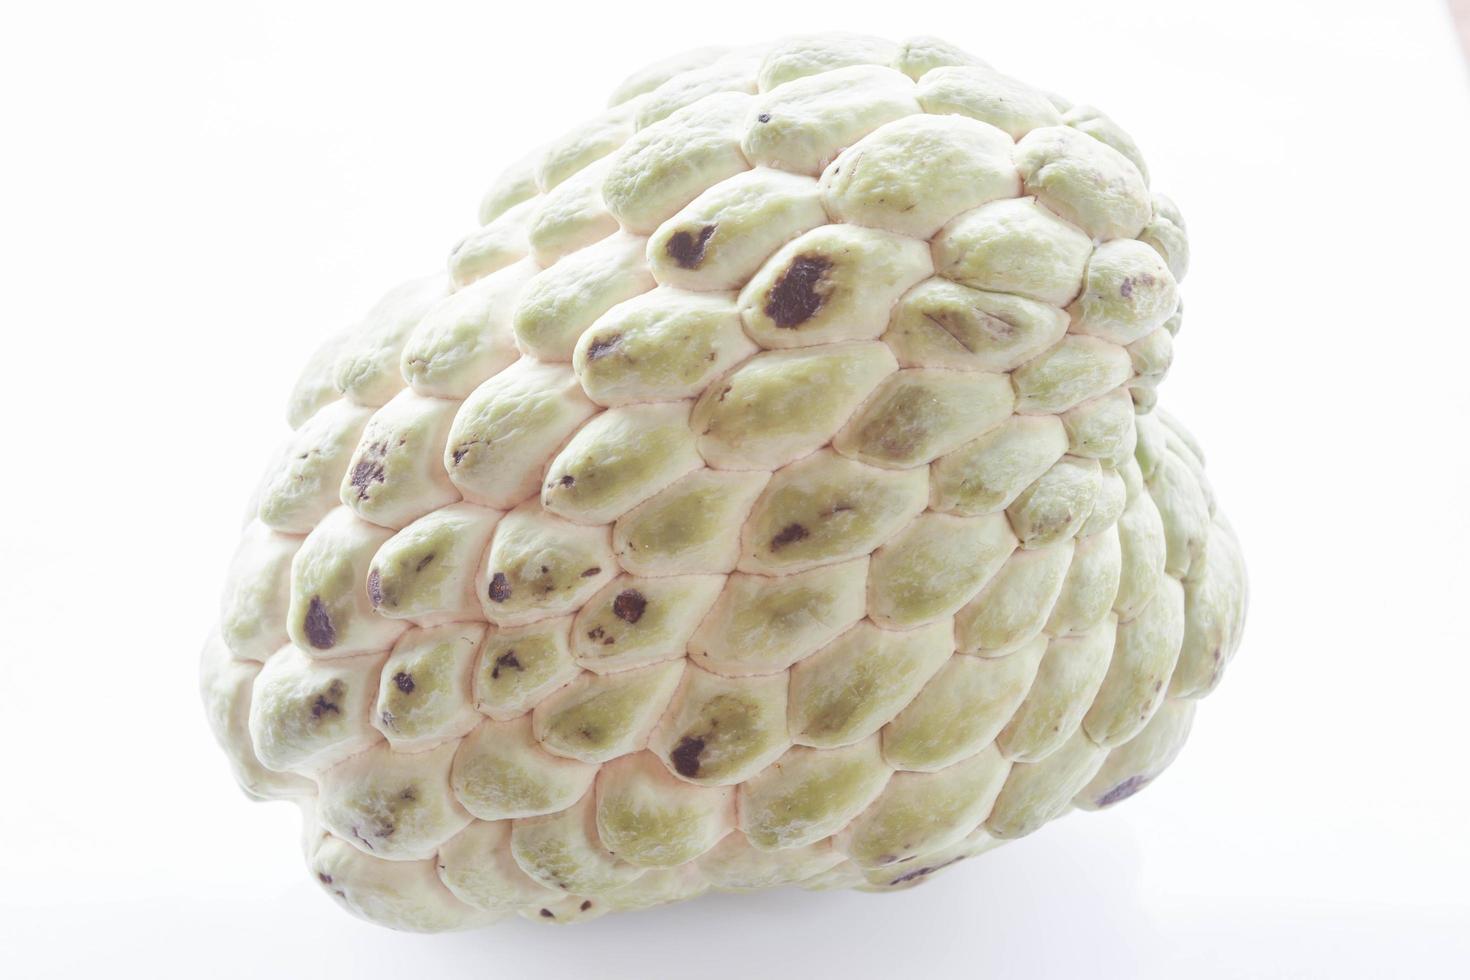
{"x": 195, "y": 193}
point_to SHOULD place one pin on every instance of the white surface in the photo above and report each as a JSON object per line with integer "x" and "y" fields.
{"x": 193, "y": 193}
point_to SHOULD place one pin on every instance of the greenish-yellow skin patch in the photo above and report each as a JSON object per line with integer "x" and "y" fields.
{"x": 1076, "y": 369}
{"x": 303, "y": 488}
{"x": 1056, "y": 506}
{"x": 1129, "y": 292}
{"x": 466, "y": 338}
{"x": 540, "y": 565}
{"x": 800, "y": 56}
{"x": 849, "y": 689}
{"x": 477, "y": 866}
{"x": 599, "y": 718}
{"x": 416, "y": 564}
{"x": 1102, "y": 428}
{"x": 943, "y": 324}
{"x": 692, "y": 526}
{"x": 808, "y": 121}
{"x": 1144, "y": 655}
{"x": 1141, "y": 565}
{"x": 258, "y": 594}
{"x": 764, "y": 624}
{"x": 826, "y": 508}
{"x": 570, "y": 217}
{"x": 620, "y": 458}
{"x": 961, "y": 710}
{"x": 724, "y": 729}
{"x": 749, "y": 217}
{"x": 518, "y": 666}
{"x": 576, "y": 149}
{"x": 1107, "y": 505}
{"x": 506, "y": 429}
{"x": 649, "y": 818}
{"x": 1014, "y": 605}
{"x": 305, "y": 714}
{"x": 985, "y": 475}
{"x": 1036, "y": 792}
{"x": 407, "y": 894}
{"x": 329, "y": 613}
{"x": 391, "y": 805}
{"x": 1085, "y": 181}
{"x": 423, "y": 687}
{"x": 982, "y": 93}
{"x": 934, "y": 566}
{"x": 920, "y": 813}
{"x": 810, "y": 794}
{"x": 1092, "y": 121}
{"x": 662, "y": 345}
{"x": 912, "y": 175}
{"x": 834, "y": 283}
{"x": 501, "y": 773}
{"x": 664, "y": 167}
{"x": 1185, "y": 511}
{"x": 1066, "y": 682}
{"x": 491, "y": 247}
{"x": 561, "y": 852}
{"x": 1014, "y": 246}
{"x": 395, "y": 474}
{"x": 636, "y": 621}
{"x": 1152, "y": 355}
{"x": 919, "y": 414}
{"x": 1133, "y": 765}
{"x": 1165, "y": 233}
{"x": 733, "y": 864}
{"x": 1215, "y": 604}
{"x": 731, "y": 73}
{"x": 562, "y": 301}
{"x": 781, "y": 405}
{"x": 1091, "y": 584}
{"x": 366, "y": 369}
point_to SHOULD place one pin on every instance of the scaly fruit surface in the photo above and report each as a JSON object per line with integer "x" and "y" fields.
{"x": 768, "y": 492}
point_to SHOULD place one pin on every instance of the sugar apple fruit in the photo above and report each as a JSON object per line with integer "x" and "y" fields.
{"x": 769, "y": 492}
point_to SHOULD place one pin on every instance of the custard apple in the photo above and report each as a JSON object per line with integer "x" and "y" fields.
{"x": 769, "y": 491}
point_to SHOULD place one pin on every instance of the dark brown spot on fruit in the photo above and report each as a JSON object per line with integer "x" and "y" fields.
{"x": 547, "y": 914}
{"x": 602, "y": 347}
{"x": 404, "y": 682}
{"x": 1126, "y": 290}
{"x": 921, "y": 872}
{"x": 319, "y": 629}
{"x": 1123, "y": 790}
{"x": 790, "y": 534}
{"x": 423, "y": 562}
{"x": 587, "y": 904}
{"x": 369, "y": 468}
{"x": 764, "y": 117}
{"x": 506, "y": 660}
{"x": 499, "y": 587}
{"x": 797, "y": 294}
{"x": 324, "y": 878}
{"x": 685, "y": 756}
{"x": 375, "y": 588}
{"x": 566, "y": 481}
{"x": 687, "y": 249}
{"x": 589, "y": 572}
{"x": 460, "y": 452}
{"x": 629, "y": 605}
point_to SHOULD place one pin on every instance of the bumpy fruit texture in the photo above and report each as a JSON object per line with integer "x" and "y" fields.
{"x": 769, "y": 492}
